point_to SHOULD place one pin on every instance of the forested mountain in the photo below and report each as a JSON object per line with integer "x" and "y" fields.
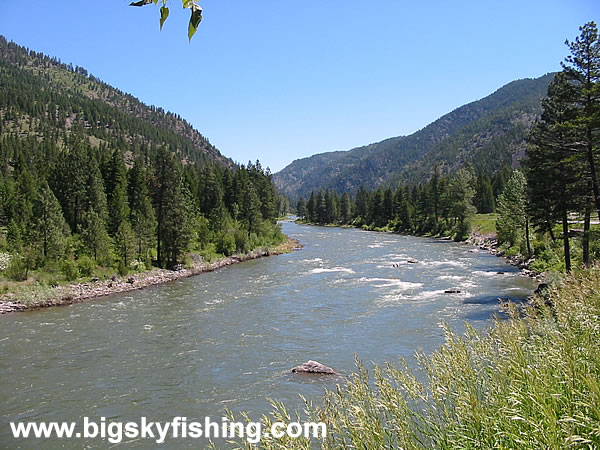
{"x": 43, "y": 97}
{"x": 489, "y": 133}
{"x": 91, "y": 179}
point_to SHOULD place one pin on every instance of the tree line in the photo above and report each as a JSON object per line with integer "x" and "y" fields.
{"x": 91, "y": 206}
{"x": 443, "y": 205}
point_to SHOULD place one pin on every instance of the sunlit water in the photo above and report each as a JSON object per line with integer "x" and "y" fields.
{"x": 228, "y": 339}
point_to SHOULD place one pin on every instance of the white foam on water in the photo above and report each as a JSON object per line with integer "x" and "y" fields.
{"x": 389, "y": 282}
{"x": 331, "y": 269}
{"x": 484, "y": 273}
{"x": 375, "y": 245}
{"x": 445, "y": 263}
{"x": 451, "y": 277}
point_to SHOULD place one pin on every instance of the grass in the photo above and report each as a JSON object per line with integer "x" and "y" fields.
{"x": 532, "y": 381}
{"x": 484, "y": 224}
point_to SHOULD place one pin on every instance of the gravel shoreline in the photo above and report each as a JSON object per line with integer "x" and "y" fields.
{"x": 79, "y": 292}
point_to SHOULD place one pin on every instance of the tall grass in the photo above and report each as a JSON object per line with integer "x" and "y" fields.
{"x": 532, "y": 381}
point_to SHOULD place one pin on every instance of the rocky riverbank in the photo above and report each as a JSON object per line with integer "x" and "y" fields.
{"x": 489, "y": 243}
{"x": 78, "y": 292}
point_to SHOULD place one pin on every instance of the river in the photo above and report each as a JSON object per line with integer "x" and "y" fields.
{"x": 229, "y": 338}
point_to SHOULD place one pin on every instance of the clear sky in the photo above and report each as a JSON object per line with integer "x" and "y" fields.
{"x": 281, "y": 80}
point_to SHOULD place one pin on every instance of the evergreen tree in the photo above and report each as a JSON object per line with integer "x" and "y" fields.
{"x": 582, "y": 70}
{"x": 125, "y": 243}
{"x": 553, "y": 180}
{"x": 116, "y": 192}
{"x": 346, "y": 208}
{"x": 513, "y": 221}
{"x": 301, "y": 208}
{"x": 460, "y": 197}
{"x": 484, "y": 195}
{"x": 174, "y": 218}
{"x": 51, "y": 229}
{"x": 95, "y": 237}
{"x": 142, "y": 217}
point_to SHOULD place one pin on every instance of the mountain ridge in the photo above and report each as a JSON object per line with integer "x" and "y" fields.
{"x": 31, "y": 82}
{"x": 486, "y": 132}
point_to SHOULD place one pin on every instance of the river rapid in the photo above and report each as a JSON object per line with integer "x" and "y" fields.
{"x": 229, "y": 338}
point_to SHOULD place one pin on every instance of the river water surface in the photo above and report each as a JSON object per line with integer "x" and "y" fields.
{"x": 229, "y": 338}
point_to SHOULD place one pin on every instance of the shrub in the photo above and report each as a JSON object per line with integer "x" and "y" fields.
{"x": 122, "y": 268}
{"x": 17, "y": 269}
{"x": 69, "y": 270}
{"x": 86, "y": 266}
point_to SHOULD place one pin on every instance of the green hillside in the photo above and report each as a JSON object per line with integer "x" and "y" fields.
{"x": 44, "y": 98}
{"x": 488, "y": 133}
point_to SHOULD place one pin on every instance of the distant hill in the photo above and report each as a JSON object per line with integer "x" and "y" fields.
{"x": 41, "y": 96}
{"x": 488, "y": 133}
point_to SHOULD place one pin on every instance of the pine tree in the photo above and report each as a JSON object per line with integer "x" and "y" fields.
{"x": 116, "y": 192}
{"x": 553, "y": 176}
{"x": 460, "y": 198}
{"x": 582, "y": 70}
{"x": 346, "y": 208}
{"x": 301, "y": 208}
{"x": 513, "y": 221}
{"x": 51, "y": 229}
{"x": 172, "y": 204}
{"x": 142, "y": 217}
{"x": 95, "y": 237}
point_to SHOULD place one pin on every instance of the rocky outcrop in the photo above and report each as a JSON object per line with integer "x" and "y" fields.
{"x": 314, "y": 367}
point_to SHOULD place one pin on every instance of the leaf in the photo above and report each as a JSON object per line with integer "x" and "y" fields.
{"x": 164, "y": 13}
{"x": 195, "y": 20}
{"x": 141, "y": 3}
{"x": 187, "y": 3}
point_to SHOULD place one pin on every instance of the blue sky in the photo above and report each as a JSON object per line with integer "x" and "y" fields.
{"x": 279, "y": 80}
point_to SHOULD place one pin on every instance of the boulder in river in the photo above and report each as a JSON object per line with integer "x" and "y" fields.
{"x": 315, "y": 368}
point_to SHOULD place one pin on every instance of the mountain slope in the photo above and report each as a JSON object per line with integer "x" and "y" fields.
{"x": 41, "y": 96}
{"x": 487, "y": 133}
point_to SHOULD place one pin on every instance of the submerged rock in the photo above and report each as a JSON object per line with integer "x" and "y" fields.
{"x": 314, "y": 367}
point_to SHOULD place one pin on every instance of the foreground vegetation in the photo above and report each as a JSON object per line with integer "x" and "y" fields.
{"x": 532, "y": 381}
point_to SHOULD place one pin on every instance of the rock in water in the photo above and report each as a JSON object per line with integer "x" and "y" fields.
{"x": 314, "y": 367}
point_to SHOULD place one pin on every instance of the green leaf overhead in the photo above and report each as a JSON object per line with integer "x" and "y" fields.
{"x": 164, "y": 13}
{"x": 141, "y": 3}
{"x": 195, "y": 20}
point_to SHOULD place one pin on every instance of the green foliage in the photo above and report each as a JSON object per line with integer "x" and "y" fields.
{"x": 564, "y": 146}
{"x": 122, "y": 268}
{"x": 512, "y": 210}
{"x": 70, "y": 270}
{"x": 86, "y": 266}
{"x": 530, "y": 382}
{"x": 17, "y": 269}
{"x": 226, "y": 244}
{"x": 195, "y": 18}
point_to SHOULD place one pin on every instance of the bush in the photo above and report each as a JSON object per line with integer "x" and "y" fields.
{"x": 69, "y": 270}
{"x": 17, "y": 269}
{"x": 226, "y": 244}
{"x": 86, "y": 266}
{"x": 122, "y": 268}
